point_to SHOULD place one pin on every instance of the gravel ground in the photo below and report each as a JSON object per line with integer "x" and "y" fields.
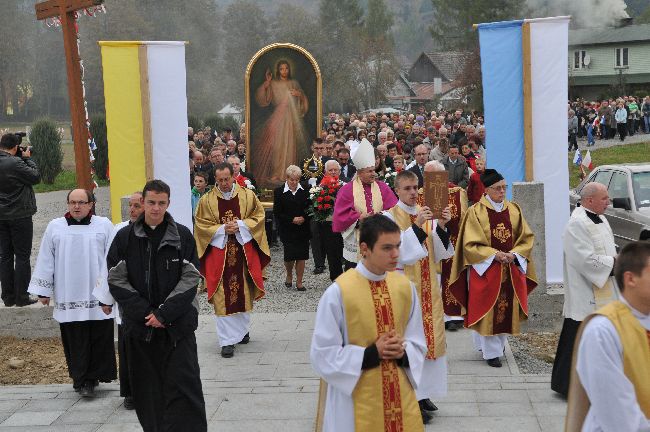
{"x": 534, "y": 352}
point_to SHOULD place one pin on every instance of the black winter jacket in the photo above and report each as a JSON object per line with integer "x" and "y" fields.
{"x": 17, "y": 176}
{"x": 164, "y": 282}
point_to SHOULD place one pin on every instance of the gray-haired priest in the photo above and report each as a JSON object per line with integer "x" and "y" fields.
{"x": 70, "y": 263}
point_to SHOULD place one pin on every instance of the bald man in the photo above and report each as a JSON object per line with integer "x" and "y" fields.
{"x": 421, "y": 153}
{"x": 70, "y": 262}
{"x": 589, "y": 256}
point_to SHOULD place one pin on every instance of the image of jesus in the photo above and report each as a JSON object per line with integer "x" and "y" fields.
{"x": 278, "y": 138}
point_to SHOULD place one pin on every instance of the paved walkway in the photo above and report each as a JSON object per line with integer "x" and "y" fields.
{"x": 269, "y": 385}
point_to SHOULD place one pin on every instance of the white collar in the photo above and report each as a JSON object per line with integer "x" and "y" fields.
{"x": 643, "y": 319}
{"x": 368, "y": 274}
{"x": 227, "y": 195}
{"x": 412, "y": 210}
{"x": 495, "y": 205}
{"x": 286, "y": 188}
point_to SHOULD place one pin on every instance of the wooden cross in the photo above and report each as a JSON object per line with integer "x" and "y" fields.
{"x": 65, "y": 10}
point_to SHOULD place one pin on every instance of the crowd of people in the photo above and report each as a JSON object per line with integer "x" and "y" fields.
{"x": 625, "y": 116}
{"x": 400, "y": 277}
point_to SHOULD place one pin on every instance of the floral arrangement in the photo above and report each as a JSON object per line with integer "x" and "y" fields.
{"x": 322, "y": 198}
{"x": 389, "y": 177}
{"x": 245, "y": 182}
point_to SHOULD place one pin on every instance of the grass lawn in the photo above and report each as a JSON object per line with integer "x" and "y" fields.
{"x": 628, "y": 153}
{"x": 66, "y": 180}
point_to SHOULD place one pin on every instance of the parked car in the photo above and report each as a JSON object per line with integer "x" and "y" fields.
{"x": 629, "y": 192}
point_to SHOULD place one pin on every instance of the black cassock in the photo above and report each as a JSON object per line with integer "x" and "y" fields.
{"x": 89, "y": 350}
{"x": 564, "y": 357}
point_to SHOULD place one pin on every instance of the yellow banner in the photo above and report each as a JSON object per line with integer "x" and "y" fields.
{"x": 122, "y": 94}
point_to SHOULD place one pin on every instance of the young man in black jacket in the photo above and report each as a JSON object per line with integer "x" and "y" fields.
{"x": 17, "y": 206}
{"x": 153, "y": 276}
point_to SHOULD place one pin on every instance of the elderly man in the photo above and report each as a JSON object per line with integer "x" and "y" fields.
{"x": 216, "y": 157}
{"x": 610, "y": 379}
{"x": 421, "y": 158}
{"x": 457, "y": 167}
{"x": 589, "y": 256}
{"x": 331, "y": 242}
{"x": 231, "y": 147}
{"x": 382, "y": 137}
{"x": 357, "y": 200}
{"x": 425, "y": 242}
{"x": 239, "y": 175}
{"x": 492, "y": 273}
{"x": 312, "y": 173}
{"x": 440, "y": 151}
{"x": 231, "y": 243}
{"x": 71, "y": 261}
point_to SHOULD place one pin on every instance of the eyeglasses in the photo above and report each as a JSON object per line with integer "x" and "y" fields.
{"x": 77, "y": 203}
{"x": 499, "y": 188}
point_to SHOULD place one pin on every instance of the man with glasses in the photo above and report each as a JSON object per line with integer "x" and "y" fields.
{"x": 493, "y": 264}
{"x": 71, "y": 261}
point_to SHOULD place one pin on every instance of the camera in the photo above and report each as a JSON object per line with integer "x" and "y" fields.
{"x": 21, "y": 149}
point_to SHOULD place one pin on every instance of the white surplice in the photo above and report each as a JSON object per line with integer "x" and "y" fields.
{"x": 600, "y": 367}
{"x": 434, "y": 376}
{"x": 101, "y": 291}
{"x": 70, "y": 263}
{"x": 231, "y": 329}
{"x": 585, "y": 264}
{"x": 339, "y": 363}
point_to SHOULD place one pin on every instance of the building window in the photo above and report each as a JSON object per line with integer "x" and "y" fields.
{"x": 579, "y": 59}
{"x": 621, "y": 57}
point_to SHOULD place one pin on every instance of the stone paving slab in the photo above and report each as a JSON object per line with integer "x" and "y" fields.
{"x": 269, "y": 385}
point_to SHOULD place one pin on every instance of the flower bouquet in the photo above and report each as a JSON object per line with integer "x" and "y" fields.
{"x": 389, "y": 177}
{"x": 322, "y": 198}
{"x": 245, "y": 182}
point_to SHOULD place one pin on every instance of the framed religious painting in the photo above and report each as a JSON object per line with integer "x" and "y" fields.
{"x": 283, "y": 92}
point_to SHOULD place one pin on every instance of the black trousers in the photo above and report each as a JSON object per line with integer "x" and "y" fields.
{"x": 333, "y": 244}
{"x": 347, "y": 265}
{"x": 622, "y": 130}
{"x": 125, "y": 382}
{"x": 15, "y": 250}
{"x": 561, "y": 374}
{"x": 316, "y": 244}
{"x": 166, "y": 383}
{"x": 89, "y": 350}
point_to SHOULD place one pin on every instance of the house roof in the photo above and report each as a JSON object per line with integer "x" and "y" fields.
{"x": 607, "y": 35}
{"x": 449, "y": 63}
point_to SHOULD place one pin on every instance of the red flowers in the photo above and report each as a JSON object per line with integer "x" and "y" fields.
{"x": 323, "y": 197}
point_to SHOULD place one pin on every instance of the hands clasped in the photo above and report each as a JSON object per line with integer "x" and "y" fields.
{"x": 504, "y": 257}
{"x": 390, "y": 346}
{"x": 231, "y": 227}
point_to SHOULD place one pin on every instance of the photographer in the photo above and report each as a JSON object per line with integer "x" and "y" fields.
{"x": 17, "y": 205}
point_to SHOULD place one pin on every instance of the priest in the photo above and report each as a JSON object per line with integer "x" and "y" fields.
{"x": 457, "y": 206}
{"x": 610, "y": 382}
{"x": 368, "y": 344}
{"x": 424, "y": 243}
{"x": 492, "y": 273}
{"x": 231, "y": 243}
{"x": 71, "y": 260}
{"x": 360, "y": 198}
{"x": 589, "y": 256}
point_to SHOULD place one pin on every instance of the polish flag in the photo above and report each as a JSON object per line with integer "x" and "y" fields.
{"x": 586, "y": 161}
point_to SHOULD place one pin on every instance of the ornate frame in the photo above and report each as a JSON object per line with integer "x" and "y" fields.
{"x": 249, "y": 68}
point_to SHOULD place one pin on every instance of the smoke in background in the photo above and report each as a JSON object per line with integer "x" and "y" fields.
{"x": 584, "y": 13}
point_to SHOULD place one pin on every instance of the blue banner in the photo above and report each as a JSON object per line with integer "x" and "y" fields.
{"x": 503, "y": 97}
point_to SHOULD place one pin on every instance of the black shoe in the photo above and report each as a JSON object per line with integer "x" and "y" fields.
{"x": 128, "y": 403}
{"x": 245, "y": 339}
{"x": 319, "y": 270}
{"x": 301, "y": 288}
{"x": 288, "y": 284}
{"x": 228, "y": 351}
{"x": 9, "y": 304}
{"x": 87, "y": 389}
{"x": 427, "y": 405}
{"x": 495, "y": 362}
{"x": 29, "y": 301}
{"x": 426, "y": 416}
{"x": 457, "y": 325}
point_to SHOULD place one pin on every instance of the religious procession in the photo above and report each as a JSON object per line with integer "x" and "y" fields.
{"x": 416, "y": 255}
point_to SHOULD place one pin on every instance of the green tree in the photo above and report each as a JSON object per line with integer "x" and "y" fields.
{"x": 98, "y": 131}
{"x": 453, "y": 19}
{"x": 644, "y": 18}
{"x": 47, "y": 153}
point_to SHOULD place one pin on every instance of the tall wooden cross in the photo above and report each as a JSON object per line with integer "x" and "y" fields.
{"x": 65, "y": 11}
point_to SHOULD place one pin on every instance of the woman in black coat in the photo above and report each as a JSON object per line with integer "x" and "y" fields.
{"x": 290, "y": 202}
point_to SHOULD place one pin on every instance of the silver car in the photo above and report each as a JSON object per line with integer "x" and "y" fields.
{"x": 629, "y": 192}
